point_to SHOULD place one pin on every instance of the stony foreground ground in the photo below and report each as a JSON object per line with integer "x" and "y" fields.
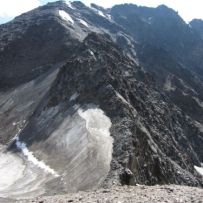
{"x": 153, "y": 194}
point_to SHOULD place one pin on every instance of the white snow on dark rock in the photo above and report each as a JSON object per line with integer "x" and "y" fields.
{"x": 65, "y": 16}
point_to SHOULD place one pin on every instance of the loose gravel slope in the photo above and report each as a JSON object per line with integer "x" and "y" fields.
{"x": 152, "y": 194}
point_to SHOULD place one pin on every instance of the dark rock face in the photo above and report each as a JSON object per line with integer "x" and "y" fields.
{"x": 163, "y": 28}
{"x": 38, "y": 41}
{"x": 197, "y": 25}
{"x": 129, "y": 62}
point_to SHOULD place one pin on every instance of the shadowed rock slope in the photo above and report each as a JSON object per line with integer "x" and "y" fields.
{"x": 106, "y": 107}
{"x": 152, "y": 137}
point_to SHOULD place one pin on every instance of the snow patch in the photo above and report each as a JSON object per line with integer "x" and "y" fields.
{"x": 83, "y": 22}
{"x": 92, "y": 53}
{"x": 96, "y": 122}
{"x": 84, "y": 148}
{"x": 109, "y": 16}
{"x": 101, "y": 14}
{"x": 65, "y": 16}
{"x": 69, "y": 4}
{"x": 22, "y": 146}
{"x": 20, "y": 178}
{"x": 74, "y": 96}
{"x": 11, "y": 169}
{"x": 199, "y": 169}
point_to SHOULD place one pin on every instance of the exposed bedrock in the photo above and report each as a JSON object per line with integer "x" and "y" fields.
{"x": 95, "y": 102}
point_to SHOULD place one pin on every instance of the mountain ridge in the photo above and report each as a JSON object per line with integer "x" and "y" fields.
{"x": 66, "y": 73}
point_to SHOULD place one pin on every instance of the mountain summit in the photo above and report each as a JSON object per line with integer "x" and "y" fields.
{"x": 93, "y": 97}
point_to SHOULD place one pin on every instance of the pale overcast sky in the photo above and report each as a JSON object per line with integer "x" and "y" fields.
{"x": 188, "y": 9}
